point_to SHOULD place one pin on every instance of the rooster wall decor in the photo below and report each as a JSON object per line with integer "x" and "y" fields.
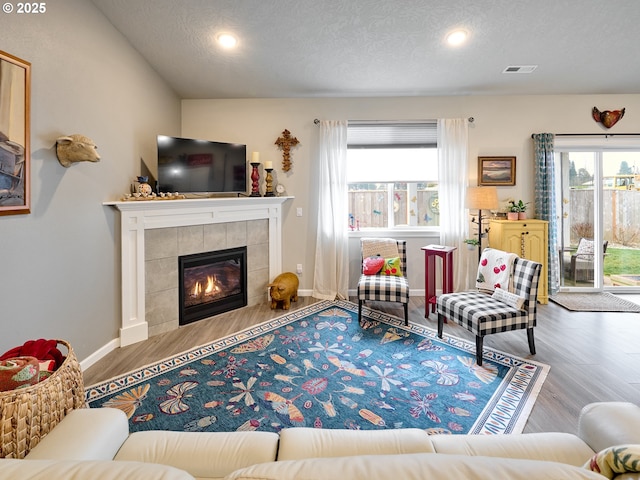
{"x": 608, "y": 118}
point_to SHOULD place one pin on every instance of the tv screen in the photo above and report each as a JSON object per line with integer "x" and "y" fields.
{"x": 187, "y": 165}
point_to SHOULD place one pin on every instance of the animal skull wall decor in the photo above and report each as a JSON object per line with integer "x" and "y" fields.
{"x": 76, "y": 148}
{"x": 608, "y": 118}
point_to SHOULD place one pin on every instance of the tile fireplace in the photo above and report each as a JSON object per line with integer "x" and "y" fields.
{"x": 178, "y": 219}
{"x": 211, "y": 283}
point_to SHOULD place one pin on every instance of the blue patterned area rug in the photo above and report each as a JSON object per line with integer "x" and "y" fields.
{"x": 316, "y": 367}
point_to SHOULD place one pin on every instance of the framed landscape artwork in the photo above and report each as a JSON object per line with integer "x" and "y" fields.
{"x": 15, "y": 95}
{"x": 496, "y": 171}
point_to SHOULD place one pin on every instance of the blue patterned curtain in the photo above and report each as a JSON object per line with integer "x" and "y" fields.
{"x": 545, "y": 202}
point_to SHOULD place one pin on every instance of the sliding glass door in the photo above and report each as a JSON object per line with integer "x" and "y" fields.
{"x": 599, "y": 219}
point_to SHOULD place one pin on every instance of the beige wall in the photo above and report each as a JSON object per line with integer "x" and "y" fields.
{"x": 503, "y": 126}
{"x": 59, "y": 266}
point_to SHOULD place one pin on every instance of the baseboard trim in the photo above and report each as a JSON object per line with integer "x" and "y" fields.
{"x": 100, "y": 353}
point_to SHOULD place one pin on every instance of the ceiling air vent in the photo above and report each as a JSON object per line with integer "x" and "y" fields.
{"x": 520, "y": 69}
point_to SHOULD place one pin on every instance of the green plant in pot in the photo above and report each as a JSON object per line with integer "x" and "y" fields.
{"x": 517, "y": 210}
{"x": 472, "y": 243}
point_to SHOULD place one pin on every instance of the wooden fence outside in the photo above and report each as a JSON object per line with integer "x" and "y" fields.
{"x": 621, "y": 215}
{"x": 369, "y": 208}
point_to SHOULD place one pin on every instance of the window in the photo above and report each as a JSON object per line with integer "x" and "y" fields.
{"x": 392, "y": 174}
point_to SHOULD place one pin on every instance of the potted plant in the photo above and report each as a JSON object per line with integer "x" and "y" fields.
{"x": 517, "y": 210}
{"x": 472, "y": 243}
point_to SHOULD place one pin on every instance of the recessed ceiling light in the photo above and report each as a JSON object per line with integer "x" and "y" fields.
{"x": 457, "y": 38}
{"x": 227, "y": 40}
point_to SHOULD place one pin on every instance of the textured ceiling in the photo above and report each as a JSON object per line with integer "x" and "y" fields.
{"x": 353, "y": 48}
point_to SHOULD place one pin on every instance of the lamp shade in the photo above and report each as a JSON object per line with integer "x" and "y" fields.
{"x": 482, "y": 198}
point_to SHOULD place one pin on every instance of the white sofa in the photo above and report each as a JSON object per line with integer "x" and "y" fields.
{"x": 95, "y": 443}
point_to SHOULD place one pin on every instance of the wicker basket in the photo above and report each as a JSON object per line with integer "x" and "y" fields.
{"x": 28, "y": 414}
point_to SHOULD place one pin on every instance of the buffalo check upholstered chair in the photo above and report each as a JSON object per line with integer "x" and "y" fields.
{"x": 386, "y": 285}
{"x": 484, "y": 314}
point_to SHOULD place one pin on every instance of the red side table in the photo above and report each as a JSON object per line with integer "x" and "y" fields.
{"x": 430, "y": 252}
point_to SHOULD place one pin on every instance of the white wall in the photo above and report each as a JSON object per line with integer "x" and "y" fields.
{"x": 59, "y": 265}
{"x": 503, "y": 126}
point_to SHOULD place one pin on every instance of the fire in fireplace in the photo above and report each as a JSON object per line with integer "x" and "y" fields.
{"x": 212, "y": 283}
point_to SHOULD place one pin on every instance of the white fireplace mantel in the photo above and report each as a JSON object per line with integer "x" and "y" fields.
{"x": 138, "y": 216}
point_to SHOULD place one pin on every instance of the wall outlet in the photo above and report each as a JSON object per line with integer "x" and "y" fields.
{"x": 299, "y": 268}
{"x": 299, "y": 212}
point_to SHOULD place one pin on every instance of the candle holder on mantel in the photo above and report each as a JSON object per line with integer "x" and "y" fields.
{"x": 255, "y": 177}
{"x": 269, "y": 183}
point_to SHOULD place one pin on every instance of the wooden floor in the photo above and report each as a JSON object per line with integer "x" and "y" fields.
{"x": 593, "y": 356}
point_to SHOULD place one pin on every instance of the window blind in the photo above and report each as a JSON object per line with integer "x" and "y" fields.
{"x": 415, "y": 134}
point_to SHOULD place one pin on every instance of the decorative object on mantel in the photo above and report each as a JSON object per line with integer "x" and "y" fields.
{"x": 268, "y": 179}
{"x": 285, "y": 142}
{"x": 76, "y": 148}
{"x": 143, "y": 191}
{"x": 280, "y": 189}
{"x": 133, "y": 197}
{"x": 608, "y": 118}
{"x": 255, "y": 174}
{"x": 142, "y": 186}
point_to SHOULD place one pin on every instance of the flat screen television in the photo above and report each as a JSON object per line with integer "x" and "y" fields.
{"x": 187, "y": 165}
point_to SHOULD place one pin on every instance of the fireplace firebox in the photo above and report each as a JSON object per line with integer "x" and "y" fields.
{"x": 212, "y": 283}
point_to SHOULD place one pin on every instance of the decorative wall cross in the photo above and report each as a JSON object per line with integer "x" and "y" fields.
{"x": 285, "y": 142}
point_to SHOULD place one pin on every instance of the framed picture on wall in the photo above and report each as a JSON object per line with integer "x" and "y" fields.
{"x": 496, "y": 171}
{"x": 15, "y": 171}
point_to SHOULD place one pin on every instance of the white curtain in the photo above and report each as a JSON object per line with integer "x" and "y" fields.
{"x": 331, "y": 275}
{"x": 452, "y": 179}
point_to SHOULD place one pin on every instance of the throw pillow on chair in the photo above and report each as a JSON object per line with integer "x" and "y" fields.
{"x": 372, "y": 265}
{"x": 392, "y": 267}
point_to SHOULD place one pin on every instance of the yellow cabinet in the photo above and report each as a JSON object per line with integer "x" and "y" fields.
{"x": 527, "y": 239}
